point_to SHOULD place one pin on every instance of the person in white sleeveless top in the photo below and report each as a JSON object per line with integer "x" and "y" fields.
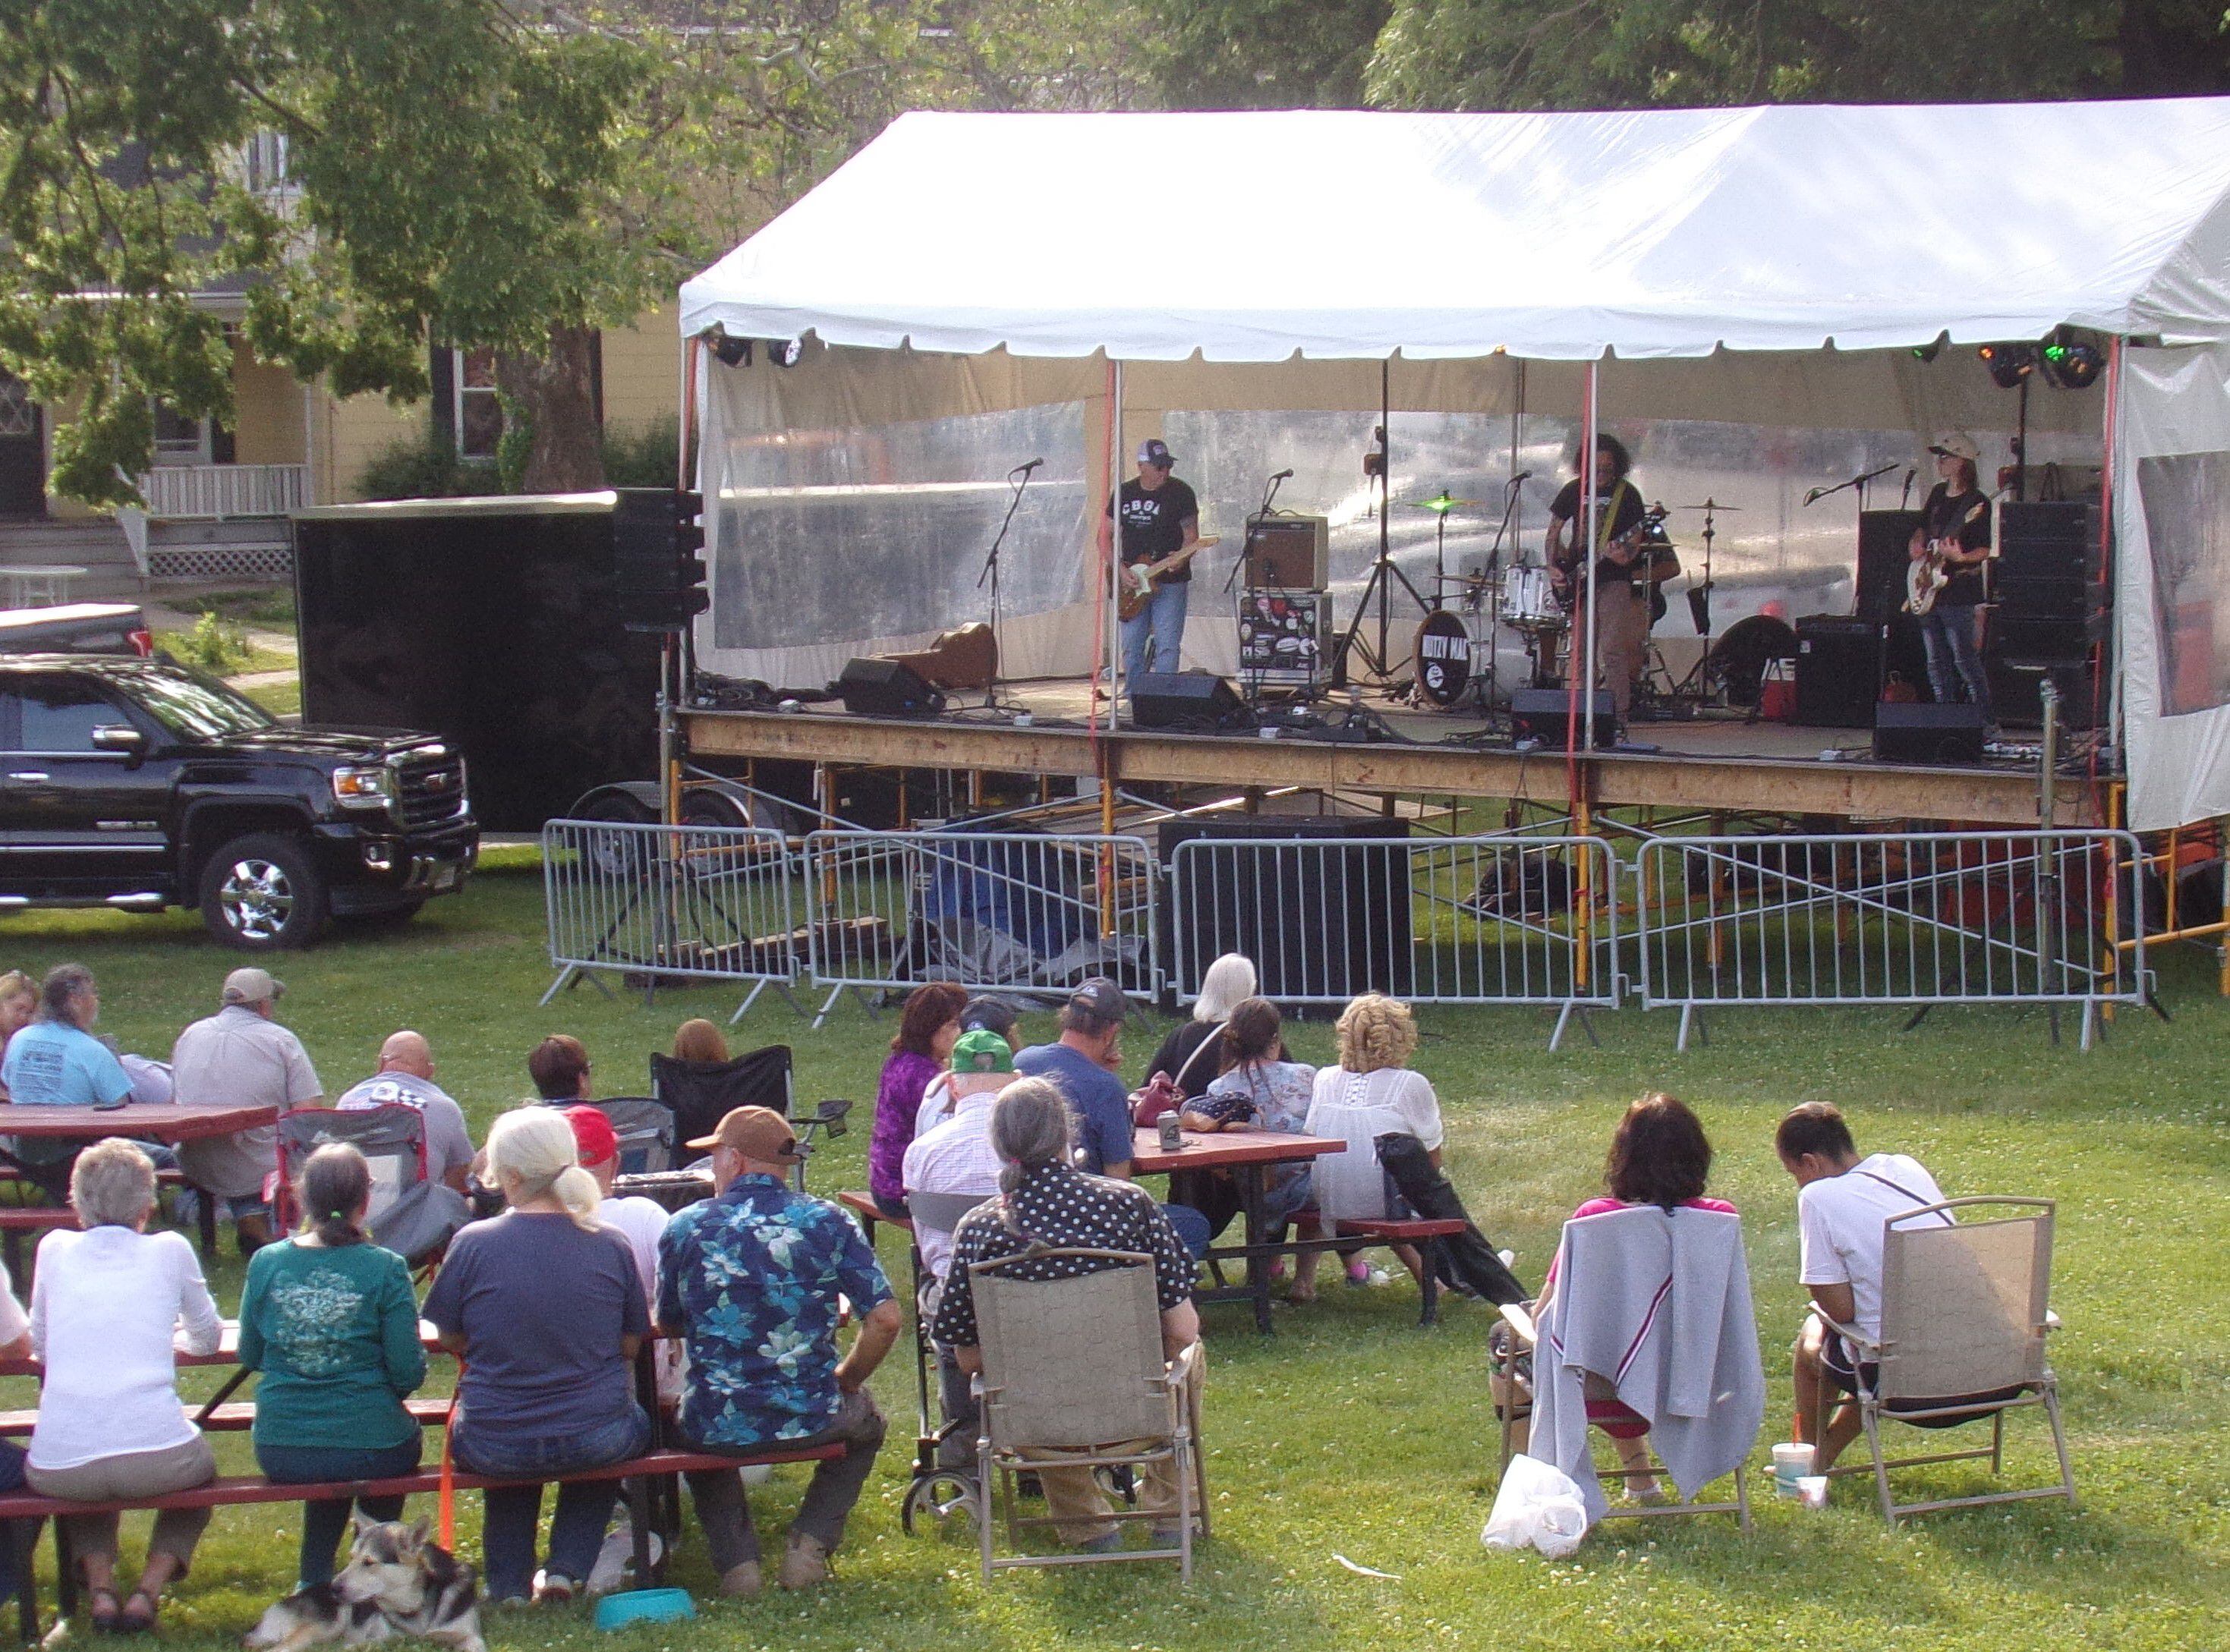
{"x": 1372, "y": 1092}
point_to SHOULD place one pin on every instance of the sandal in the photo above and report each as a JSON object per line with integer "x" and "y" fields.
{"x": 136, "y": 1622}
{"x": 102, "y": 1611}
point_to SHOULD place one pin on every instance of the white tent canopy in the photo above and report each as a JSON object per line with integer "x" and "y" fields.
{"x": 1250, "y": 236}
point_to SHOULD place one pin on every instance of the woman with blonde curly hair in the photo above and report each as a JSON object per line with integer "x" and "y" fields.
{"x": 1372, "y": 1092}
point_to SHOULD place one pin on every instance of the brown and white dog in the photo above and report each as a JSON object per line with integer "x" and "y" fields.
{"x": 396, "y": 1586}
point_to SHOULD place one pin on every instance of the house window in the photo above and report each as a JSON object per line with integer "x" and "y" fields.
{"x": 479, "y": 413}
{"x": 264, "y": 163}
{"x": 178, "y": 440}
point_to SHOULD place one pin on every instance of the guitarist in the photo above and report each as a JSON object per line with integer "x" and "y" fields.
{"x": 1621, "y": 609}
{"x": 1160, "y": 518}
{"x": 1955, "y": 522}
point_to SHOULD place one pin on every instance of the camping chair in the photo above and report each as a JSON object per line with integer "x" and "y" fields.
{"x": 1070, "y": 1364}
{"x": 411, "y": 1215}
{"x": 645, "y": 1129}
{"x": 1964, "y": 1315}
{"x": 702, "y": 1093}
{"x": 936, "y": 1490}
{"x": 1510, "y": 1359}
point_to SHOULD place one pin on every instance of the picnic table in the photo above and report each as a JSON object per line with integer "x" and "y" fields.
{"x": 1247, "y": 1152}
{"x": 168, "y": 1122}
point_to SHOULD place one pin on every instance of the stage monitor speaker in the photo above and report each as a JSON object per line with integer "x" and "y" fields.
{"x": 1838, "y": 671}
{"x": 1184, "y": 699}
{"x": 1884, "y": 554}
{"x": 1318, "y": 921}
{"x": 1289, "y": 552}
{"x": 2017, "y": 694}
{"x": 1541, "y": 713}
{"x": 1927, "y": 734}
{"x": 885, "y": 688}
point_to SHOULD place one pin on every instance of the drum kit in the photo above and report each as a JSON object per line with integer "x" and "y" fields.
{"x": 1456, "y": 655}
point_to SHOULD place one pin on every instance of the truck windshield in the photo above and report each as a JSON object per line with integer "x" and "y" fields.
{"x": 193, "y": 708}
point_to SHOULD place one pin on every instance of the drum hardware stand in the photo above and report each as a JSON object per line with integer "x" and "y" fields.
{"x": 1376, "y": 466}
{"x": 1021, "y": 477}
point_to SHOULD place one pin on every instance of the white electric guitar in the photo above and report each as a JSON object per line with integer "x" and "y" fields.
{"x": 1932, "y": 569}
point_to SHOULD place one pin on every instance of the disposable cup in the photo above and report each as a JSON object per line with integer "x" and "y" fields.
{"x": 1791, "y": 1462}
{"x": 1812, "y": 1491}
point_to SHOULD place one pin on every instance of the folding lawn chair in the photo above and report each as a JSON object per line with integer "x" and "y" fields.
{"x": 1965, "y": 1310}
{"x": 937, "y": 1489}
{"x": 411, "y": 1215}
{"x": 646, "y": 1128}
{"x": 702, "y": 1093}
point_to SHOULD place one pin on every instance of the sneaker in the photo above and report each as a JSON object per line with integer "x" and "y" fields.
{"x": 554, "y": 1589}
{"x": 616, "y": 1557}
{"x": 1368, "y": 1276}
{"x": 804, "y": 1562}
{"x": 1105, "y": 1543}
{"x": 741, "y": 1581}
{"x": 1358, "y": 1272}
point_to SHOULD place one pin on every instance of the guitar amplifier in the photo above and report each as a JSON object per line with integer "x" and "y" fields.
{"x": 1289, "y": 552}
{"x": 1838, "y": 671}
{"x": 1284, "y": 636}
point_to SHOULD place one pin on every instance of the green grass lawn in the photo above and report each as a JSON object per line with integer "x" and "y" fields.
{"x": 1353, "y": 1433}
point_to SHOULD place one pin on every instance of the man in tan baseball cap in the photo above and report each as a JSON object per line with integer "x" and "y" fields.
{"x": 756, "y": 1138}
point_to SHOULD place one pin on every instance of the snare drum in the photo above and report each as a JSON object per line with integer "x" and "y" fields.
{"x": 1445, "y": 656}
{"x": 1528, "y": 601}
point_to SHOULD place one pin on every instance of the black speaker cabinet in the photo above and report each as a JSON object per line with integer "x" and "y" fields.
{"x": 1186, "y": 699}
{"x": 1905, "y": 656}
{"x": 2046, "y": 639}
{"x": 1541, "y": 714}
{"x": 1927, "y": 734}
{"x": 1838, "y": 671}
{"x": 886, "y": 688}
{"x": 1319, "y": 922}
{"x": 2016, "y": 697}
{"x": 1884, "y": 554}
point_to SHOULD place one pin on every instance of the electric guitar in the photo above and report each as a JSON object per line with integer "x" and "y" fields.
{"x": 1931, "y": 570}
{"x": 1141, "y": 580}
{"x": 1623, "y": 550}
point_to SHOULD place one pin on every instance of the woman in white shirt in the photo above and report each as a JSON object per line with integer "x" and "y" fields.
{"x": 1371, "y": 1093}
{"x": 105, "y": 1304}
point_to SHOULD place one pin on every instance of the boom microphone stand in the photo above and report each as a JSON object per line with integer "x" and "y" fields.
{"x": 1377, "y": 465}
{"x": 991, "y": 572}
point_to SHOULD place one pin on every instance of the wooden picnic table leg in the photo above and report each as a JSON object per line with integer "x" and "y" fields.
{"x": 23, "y": 1539}
{"x": 205, "y": 1211}
{"x": 1251, "y": 1201}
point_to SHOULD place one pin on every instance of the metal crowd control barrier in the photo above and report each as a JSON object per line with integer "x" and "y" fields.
{"x": 1484, "y": 920}
{"x": 1916, "y": 918}
{"x": 1026, "y": 911}
{"x": 711, "y": 903}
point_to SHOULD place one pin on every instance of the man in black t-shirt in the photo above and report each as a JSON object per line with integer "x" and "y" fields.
{"x": 1622, "y": 611}
{"x": 1160, "y": 517}
{"x": 1956, "y": 519}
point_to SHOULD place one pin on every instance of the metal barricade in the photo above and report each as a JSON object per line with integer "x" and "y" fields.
{"x": 1027, "y": 911}
{"x": 1504, "y": 919}
{"x": 709, "y": 902}
{"x": 1915, "y": 918}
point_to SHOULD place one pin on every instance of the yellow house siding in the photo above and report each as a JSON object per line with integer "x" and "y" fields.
{"x": 641, "y": 370}
{"x": 267, "y": 411}
{"x": 351, "y": 432}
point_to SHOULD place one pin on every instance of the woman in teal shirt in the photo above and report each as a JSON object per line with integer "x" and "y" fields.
{"x": 329, "y": 1320}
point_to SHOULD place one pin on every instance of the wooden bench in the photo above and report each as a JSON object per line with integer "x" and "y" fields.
{"x": 1424, "y": 1233}
{"x": 235, "y": 1416}
{"x": 863, "y": 1205}
{"x": 15, "y": 1221}
{"x": 245, "y": 1490}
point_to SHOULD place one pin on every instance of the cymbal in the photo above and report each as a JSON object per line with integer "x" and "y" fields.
{"x": 1713, "y": 505}
{"x": 1446, "y": 503}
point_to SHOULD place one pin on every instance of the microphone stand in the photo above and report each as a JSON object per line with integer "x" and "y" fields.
{"x": 1250, "y": 683}
{"x": 1858, "y": 482}
{"x": 991, "y": 572}
{"x": 1489, "y": 608}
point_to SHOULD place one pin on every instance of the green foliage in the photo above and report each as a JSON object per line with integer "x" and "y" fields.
{"x": 1261, "y": 53}
{"x": 514, "y": 445}
{"x": 645, "y": 455}
{"x": 424, "y": 467}
{"x": 214, "y": 644}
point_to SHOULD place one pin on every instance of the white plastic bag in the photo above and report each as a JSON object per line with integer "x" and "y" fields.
{"x": 1539, "y": 1504}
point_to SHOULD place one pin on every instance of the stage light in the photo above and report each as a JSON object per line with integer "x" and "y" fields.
{"x": 2072, "y": 365}
{"x": 783, "y": 353}
{"x": 2009, "y": 364}
{"x": 730, "y": 352}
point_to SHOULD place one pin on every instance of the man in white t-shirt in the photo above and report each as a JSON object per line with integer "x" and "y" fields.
{"x": 405, "y": 1078}
{"x": 1844, "y": 1204}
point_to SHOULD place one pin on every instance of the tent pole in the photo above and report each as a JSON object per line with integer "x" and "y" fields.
{"x": 2107, "y": 574}
{"x": 1586, "y": 668}
{"x": 1108, "y": 574}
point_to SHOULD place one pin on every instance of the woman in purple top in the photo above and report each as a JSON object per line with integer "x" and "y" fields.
{"x": 928, "y": 1028}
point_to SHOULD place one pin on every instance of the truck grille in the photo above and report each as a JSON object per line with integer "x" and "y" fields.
{"x": 432, "y": 793}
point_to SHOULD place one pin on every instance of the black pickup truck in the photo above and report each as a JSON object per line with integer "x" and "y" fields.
{"x": 138, "y": 784}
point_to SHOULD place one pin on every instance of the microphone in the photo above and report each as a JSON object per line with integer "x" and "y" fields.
{"x": 1814, "y": 495}
{"x": 1283, "y": 476}
{"x": 1905, "y": 498}
{"x": 1024, "y": 470}
{"x": 1521, "y": 476}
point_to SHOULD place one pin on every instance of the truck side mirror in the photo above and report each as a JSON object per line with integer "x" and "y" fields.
{"x": 121, "y": 737}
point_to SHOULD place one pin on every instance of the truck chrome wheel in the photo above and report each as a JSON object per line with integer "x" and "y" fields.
{"x": 257, "y": 898}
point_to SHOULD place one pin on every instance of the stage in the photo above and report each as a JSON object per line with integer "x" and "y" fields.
{"x": 1717, "y": 761}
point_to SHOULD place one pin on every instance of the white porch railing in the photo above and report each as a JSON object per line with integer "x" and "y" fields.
{"x": 216, "y": 492}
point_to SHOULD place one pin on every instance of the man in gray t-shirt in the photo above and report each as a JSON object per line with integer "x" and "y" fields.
{"x": 405, "y": 1078}
{"x": 241, "y": 1057}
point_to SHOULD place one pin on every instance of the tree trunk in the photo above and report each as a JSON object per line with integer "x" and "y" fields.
{"x": 556, "y": 392}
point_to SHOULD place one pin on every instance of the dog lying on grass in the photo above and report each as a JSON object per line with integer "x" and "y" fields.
{"x": 397, "y": 1584}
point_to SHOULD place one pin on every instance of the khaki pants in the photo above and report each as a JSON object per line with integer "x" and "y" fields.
{"x": 1621, "y": 638}
{"x": 1073, "y": 1497}
{"x": 135, "y": 1474}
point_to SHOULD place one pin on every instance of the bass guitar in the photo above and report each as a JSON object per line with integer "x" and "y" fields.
{"x": 1932, "y": 569}
{"x": 1141, "y": 580}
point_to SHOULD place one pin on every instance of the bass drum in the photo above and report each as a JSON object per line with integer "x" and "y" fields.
{"x": 1443, "y": 658}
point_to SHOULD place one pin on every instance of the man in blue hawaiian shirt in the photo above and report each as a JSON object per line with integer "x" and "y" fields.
{"x": 752, "y": 1278}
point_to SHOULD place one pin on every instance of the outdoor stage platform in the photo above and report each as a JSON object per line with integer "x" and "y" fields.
{"x": 1719, "y": 762}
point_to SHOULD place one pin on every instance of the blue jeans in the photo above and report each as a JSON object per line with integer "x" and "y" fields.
{"x": 584, "y": 1507}
{"x": 1953, "y": 657}
{"x": 11, "y": 1479}
{"x": 323, "y": 1520}
{"x": 1192, "y": 1229}
{"x": 1163, "y": 619}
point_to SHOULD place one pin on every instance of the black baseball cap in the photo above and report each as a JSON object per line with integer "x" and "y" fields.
{"x": 1155, "y": 452}
{"x": 1101, "y": 997}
